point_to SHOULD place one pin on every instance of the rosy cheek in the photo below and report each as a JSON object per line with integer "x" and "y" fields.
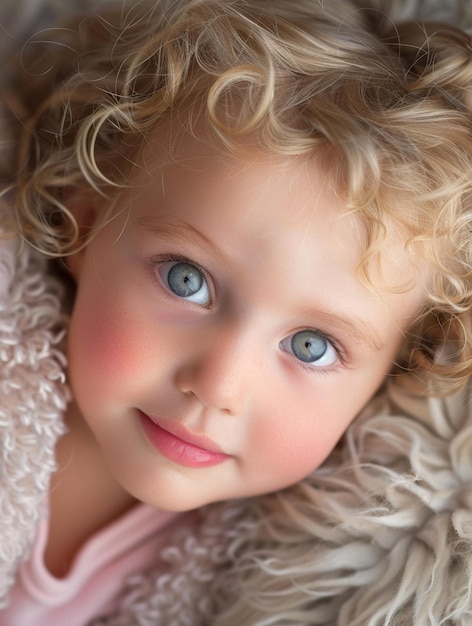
{"x": 105, "y": 347}
{"x": 291, "y": 452}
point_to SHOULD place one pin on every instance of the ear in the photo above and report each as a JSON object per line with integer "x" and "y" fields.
{"x": 83, "y": 208}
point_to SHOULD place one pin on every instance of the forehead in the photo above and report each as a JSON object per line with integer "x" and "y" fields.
{"x": 277, "y": 232}
{"x": 274, "y": 228}
{"x": 275, "y": 197}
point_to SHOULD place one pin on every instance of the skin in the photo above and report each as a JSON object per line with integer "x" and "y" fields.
{"x": 280, "y": 257}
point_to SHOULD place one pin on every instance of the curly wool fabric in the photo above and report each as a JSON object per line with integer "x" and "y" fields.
{"x": 33, "y": 398}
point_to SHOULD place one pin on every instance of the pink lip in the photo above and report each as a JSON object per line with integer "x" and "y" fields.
{"x": 176, "y": 443}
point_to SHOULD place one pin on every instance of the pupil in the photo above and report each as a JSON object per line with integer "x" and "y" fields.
{"x": 308, "y": 346}
{"x": 184, "y": 279}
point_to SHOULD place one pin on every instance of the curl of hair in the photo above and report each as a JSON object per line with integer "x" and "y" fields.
{"x": 389, "y": 107}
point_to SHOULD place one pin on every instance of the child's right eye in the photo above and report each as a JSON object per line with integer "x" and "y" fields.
{"x": 186, "y": 280}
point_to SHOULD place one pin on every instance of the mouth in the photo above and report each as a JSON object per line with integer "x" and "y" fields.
{"x": 179, "y": 445}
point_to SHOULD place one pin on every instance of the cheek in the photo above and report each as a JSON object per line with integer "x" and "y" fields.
{"x": 291, "y": 451}
{"x": 105, "y": 345}
{"x": 297, "y": 434}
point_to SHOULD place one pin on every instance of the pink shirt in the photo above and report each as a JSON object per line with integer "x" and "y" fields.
{"x": 98, "y": 573}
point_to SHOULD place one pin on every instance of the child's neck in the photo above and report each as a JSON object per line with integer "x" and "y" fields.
{"x": 84, "y": 496}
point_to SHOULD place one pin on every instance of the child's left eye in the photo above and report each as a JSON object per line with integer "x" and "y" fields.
{"x": 311, "y": 347}
{"x": 185, "y": 280}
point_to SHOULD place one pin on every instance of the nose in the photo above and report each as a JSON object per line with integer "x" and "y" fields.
{"x": 218, "y": 370}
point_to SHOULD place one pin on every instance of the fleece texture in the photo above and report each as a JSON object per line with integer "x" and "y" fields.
{"x": 33, "y": 398}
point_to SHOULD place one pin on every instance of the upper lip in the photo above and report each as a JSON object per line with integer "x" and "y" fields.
{"x": 181, "y": 432}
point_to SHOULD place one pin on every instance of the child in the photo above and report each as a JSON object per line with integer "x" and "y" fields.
{"x": 263, "y": 209}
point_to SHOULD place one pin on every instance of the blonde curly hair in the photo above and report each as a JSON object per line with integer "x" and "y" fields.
{"x": 389, "y": 107}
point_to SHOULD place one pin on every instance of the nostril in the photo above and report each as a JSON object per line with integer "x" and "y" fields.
{"x": 208, "y": 387}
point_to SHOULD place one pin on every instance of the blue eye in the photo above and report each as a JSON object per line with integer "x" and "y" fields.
{"x": 311, "y": 347}
{"x": 186, "y": 281}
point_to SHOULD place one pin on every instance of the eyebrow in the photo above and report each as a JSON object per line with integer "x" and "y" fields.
{"x": 179, "y": 230}
{"x": 185, "y": 233}
{"x": 355, "y": 328}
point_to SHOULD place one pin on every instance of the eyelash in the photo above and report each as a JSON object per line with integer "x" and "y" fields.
{"x": 176, "y": 258}
{"x": 344, "y": 360}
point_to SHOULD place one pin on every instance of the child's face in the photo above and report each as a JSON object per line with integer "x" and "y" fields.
{"x": 221, "y": 341}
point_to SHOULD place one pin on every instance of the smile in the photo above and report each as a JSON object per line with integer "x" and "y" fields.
{"x": 177, "y": 444}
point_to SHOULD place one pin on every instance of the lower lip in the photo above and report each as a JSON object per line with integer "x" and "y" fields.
{"x": 178, "y": 450}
